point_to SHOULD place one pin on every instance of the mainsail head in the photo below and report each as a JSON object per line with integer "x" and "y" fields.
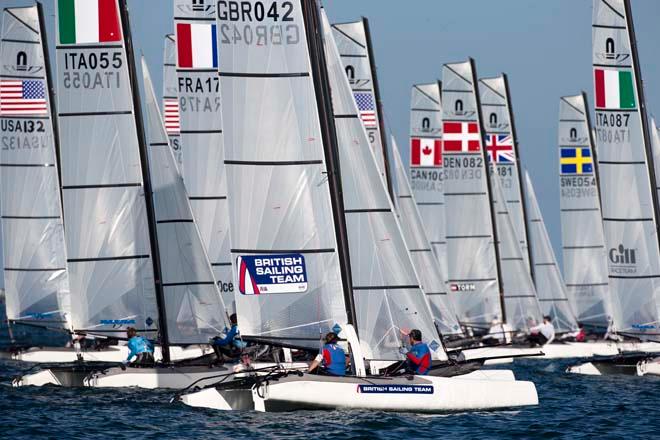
{"x": 36, "y": 279}
{"x": 105, "y": 208}
{"x": 630, "y": 210}
{"x": 193, "y": 305}
{"x": 583, "y": 239}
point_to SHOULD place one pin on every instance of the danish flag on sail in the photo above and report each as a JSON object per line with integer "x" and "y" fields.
{"x": 461, "y": 137}
{"x": 246, "y": 283}
{"x": 425, "y": 152}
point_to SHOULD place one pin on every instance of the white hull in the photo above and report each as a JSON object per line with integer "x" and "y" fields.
{"x": 554, "y": 351}
{"x": 116, "y": 353}
{"x": 423, "y": 394}
{"x": 651, "y": 366}
{"x": 147, "y": 378}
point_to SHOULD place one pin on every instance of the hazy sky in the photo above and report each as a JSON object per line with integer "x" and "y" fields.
{"x": 543, "y": 45}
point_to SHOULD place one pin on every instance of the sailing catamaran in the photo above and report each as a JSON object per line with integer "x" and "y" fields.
{"x": 316, "y": 223}
{"x": 630, "y": 211}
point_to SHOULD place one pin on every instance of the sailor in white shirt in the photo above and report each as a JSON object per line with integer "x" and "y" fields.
{"x": 543, "y": 333}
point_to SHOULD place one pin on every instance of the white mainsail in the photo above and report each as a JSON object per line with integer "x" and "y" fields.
{"x": 503, "y": 154}
{"x": 426, "y": 175}
{"x": 655, "y": 147}
{"x": 583, "y": 239}
{"x": 473, "y": 271}
{"x": 550, "y": 287}
{"x": 280, "y": 191}
{"x": 386, "y": 289}
{"x": 106, "y": 212}
{"x": 424, "y": 259}
{"x": 201, "y": 132}
{"x": 354, "y": 43}
{"x": 629, "y": 198}
{"x": 171, "y": 111}
{"x": 35, "y": 271}
{"x": 193, "y": 304}
{"x": 522, "y": 309}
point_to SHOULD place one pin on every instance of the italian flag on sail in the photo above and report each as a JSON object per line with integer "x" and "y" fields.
{"x": 88, "y": 21}
{"x": 614, "y": 89}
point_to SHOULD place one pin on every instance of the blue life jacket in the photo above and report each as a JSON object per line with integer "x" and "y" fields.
{"x": 419, "y": 358}
{"x": 137, "y": 345}
{"x": 334, "y": 359}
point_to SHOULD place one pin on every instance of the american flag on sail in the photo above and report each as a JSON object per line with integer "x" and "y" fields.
{"x": 172, "y": 117}
{"x": 23, "y": 97}
{"x": 367, "y": 108}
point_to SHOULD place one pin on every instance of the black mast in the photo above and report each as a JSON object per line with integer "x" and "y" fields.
{"x": 311, "y": 20}
{"x": 592, "y": 144}
{"x": 516, "y": 151}
{"x": 51, "y": 100}
{"x": 379, "y": 106}
{"x": 148, "y": 192}
{"x": 496, "y": 243}
{"x": 642, "y": 113}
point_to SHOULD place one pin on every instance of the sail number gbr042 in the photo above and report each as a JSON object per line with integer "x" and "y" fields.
{"x": 261, "y": 23}
{"x": 92, "y": 70}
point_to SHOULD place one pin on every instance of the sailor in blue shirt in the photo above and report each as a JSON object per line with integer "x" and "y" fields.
{"x": 418, "y": 359}
{"x": 229, "y": 343}
{"x": 332, "y": 358}
{"x": 139, "y": 347}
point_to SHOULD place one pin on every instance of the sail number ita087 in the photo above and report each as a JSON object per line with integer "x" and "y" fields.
{"x": 255, "y": 19}
{"x": 92, "y": 70}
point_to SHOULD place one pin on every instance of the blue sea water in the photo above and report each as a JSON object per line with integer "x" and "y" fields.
{"x": 571, "y": 407}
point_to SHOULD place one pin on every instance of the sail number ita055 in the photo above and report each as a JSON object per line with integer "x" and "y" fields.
{"x": 282, "y": 31}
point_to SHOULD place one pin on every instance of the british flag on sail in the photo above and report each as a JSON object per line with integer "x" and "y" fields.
{"x": 500, "y": 148}
{"x": 172, "y": 116}
{"x": 367, "y": 108}
{"x": 23, "y": 97}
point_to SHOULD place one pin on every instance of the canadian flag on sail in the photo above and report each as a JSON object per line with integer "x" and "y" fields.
{"x": 425, "y": 152}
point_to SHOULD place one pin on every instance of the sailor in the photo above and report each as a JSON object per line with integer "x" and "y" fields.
{"x": 229, "y": 343}
{"x": 332, "y": 360}
{"x": 580, "y": 335}
{"x": 139, "y": 347}
{"x": 499, "y": 333}
{"x": 418, "y": 358}
{"x": 543, "y": 333}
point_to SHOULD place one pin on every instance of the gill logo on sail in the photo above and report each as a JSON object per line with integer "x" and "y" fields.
{"x": 623, "y": 260}
{"x": 259, "y": 274}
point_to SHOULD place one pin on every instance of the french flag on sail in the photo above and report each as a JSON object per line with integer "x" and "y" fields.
{"x": 197, "y": 47}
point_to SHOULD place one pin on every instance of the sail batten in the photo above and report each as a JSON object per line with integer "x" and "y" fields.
{"x": 36, "y": 278}
{"x": 629, "y": 211}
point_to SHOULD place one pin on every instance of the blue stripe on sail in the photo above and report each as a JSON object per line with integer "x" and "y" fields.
{"x": 214, "y": 43}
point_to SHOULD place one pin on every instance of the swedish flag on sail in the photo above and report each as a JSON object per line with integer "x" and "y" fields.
{"x": 576, "y": 160}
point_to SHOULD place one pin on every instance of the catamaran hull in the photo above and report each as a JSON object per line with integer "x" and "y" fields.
{"x": 550, "y": 351}
{"x": 421, "y": 394}
{"x": 110, "y": 354}
{"x": 649, "y": 366}
{"x": 620, "y": 364}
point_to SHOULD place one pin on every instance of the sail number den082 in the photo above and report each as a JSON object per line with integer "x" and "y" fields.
{"x": 283, "y": 31}
{"x": 92, "y": 70}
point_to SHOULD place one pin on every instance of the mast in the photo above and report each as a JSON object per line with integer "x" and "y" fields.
{"x": 379, "y": 106}
{"x": 516, "y": 151}
{"x": 484, "y": 154}
{"x": 642, "y": 113}
{"x": 148, "y": 193}
{"x": 51, "y": 99}
{"x": 311, "y": 19}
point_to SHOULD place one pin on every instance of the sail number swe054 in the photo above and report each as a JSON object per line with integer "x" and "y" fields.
{"x": 282, "y": 32}
{"x": 82, "y": 70}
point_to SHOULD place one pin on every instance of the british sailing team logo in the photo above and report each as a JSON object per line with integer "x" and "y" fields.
{"x": 259, "y": 274}
{"x": 623, "y": 260}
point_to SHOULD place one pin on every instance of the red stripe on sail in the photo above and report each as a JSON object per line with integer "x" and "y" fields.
{"x": 599, "y": 80}
{"x": 415, "y": 159}
{"x": 437, "y": 151}
{"x": 108, "y": 21}
{"x": 184, "y": 45}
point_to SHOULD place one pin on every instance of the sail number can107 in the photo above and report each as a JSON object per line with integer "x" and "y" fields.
{"x": 252, "y": 23}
